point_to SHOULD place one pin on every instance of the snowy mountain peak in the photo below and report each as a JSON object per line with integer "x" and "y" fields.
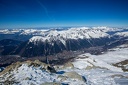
{"x": 36, "y": 38}
{"x": 73, "y": 33}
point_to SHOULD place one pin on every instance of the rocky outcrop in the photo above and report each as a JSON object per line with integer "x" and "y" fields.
{"x": 38, "y": 73}
{"x": 35, "y": 63}
{"x": 7, "y": 76}
{"x": 74, "y": 75}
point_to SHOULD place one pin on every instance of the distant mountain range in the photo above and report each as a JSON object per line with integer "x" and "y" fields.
{"x": 41, "y": 42}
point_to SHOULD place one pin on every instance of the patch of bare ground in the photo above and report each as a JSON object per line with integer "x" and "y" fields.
{"x": 119, "y": 75}
{"x": 123, "y": 65}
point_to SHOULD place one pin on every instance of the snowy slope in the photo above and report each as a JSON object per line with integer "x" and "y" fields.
{"x": 114, "y": 55}
{"x": 125, "y": 34}
{"x": 25, "y": 74}
{"x": 104, "y": 60}
{"x": 99, "y": 70}
{"x": 94, "y": 69}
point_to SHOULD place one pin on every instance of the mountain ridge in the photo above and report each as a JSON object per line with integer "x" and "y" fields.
{"x": 48, "y": 42}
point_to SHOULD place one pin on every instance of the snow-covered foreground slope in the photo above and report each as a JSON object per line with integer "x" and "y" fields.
{"x": 37, "y": 73}
{"x": 86, "y": 69}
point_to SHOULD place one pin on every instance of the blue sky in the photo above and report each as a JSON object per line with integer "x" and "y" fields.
{"x": 56, "y": 13}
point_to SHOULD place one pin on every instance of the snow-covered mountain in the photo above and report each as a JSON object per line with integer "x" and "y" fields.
{"x": 77, "y": 33}
{"x": 51, "y": 41}
{"x": 69, "y": 33}
{"x": 73, "y": 33}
